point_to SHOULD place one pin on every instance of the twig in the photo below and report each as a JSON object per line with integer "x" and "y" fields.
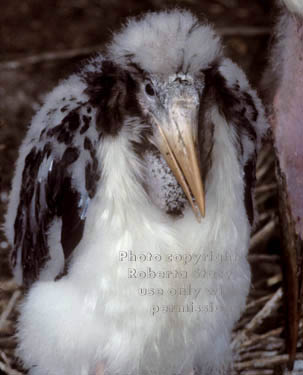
{"x": 274, "y": 280}
{"x": 257, "y": 338}
{"x": 243, "y": 31}
{"x": 48, "y": 57}
{"x": 257, "y": 302}
{"x": 264, "y": 155}
{"x": 258, "y": 372}
{"x": 8, "y": 328}
{"x": 8, "y": 370}
{"x": 8, "y": 285}
{"x": 265, "y": 362}
{"x": 257, "y": 354}
{"x": 4, "y": 357}
{"x": 265, "y": 215}
{"x": 263, "y": 171}
{"x": 262, "y": 235}
{"x": 9, "y": 308}
{"x": 266, "y": 188}
{"x": 7, "y": 342}
{"x": 267, "y": 309}
{"x": 278, "y": 346}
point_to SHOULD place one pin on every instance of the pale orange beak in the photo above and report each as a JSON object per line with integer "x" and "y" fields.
{"x": 177, "y": 142}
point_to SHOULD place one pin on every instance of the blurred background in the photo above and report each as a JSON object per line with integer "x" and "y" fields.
{"x": 41, "y": 42}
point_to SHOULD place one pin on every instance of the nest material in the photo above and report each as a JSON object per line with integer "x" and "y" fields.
{"x": 258, "y": 339}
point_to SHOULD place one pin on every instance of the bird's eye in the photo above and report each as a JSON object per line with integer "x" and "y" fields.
{"x": 149, "y": 90}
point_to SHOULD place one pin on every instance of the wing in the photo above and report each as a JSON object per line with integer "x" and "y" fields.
{"x": 56, "y": 177}
{"x": 239, "y": 104}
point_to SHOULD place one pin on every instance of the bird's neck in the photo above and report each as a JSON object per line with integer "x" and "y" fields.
{"x": 123, "y": 179}
{"x": 122, "y": 187}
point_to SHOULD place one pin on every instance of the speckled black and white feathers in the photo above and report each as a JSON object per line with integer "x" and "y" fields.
{"x": 57, "y": 170}
{"x": 113, "y": 94}
{"x": 56, "y": 178}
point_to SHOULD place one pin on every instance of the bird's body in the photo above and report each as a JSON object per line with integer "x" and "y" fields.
{"x": 148, "y": 289}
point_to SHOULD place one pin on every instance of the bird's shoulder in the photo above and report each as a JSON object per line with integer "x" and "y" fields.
{"x": 56, "y": 176}
{"x": 247, "y": 102}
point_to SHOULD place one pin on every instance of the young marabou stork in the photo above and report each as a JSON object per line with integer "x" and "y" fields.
{"x": 131, "y": 207}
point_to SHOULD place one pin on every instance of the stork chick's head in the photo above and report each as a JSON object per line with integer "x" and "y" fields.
{"x": 169, "y": 51}
{"x": 157, "y": 69}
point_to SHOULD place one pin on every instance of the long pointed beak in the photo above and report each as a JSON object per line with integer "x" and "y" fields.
{"x": 177, "y": 142}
